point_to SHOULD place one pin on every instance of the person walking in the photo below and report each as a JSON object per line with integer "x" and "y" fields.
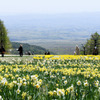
{"x": 2, "y": 50}
{"x": 20, "y": 49}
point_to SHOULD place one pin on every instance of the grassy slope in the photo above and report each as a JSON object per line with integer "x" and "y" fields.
{"x": 32, "y": 48}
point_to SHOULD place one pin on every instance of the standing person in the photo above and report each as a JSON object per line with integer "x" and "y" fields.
{"x": 77, "y": 50}
{"x": 2, "y": 50}
{"x": 20, "y": 49}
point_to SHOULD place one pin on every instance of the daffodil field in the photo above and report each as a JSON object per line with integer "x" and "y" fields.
{"x": 50, "y": 77}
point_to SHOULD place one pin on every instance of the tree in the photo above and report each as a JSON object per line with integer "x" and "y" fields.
{"x": 4, "y": 39}
{"x": 92, "y": 45}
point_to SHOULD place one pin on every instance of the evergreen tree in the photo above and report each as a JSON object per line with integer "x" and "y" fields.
{"x": 92, "y": 45}
{"x": 4, "y": 39}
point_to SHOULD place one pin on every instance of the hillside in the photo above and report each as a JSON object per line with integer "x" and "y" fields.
{"x": 32, "y": 48}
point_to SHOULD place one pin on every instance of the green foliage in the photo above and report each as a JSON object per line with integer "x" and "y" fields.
{"x": 4, "y": 39}
{"x": 92, "y": 43}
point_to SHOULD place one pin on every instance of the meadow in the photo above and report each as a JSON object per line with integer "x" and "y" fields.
{"x": 50, "y": 77}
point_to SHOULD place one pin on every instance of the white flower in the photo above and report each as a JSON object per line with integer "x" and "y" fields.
{"x": 65, "y": 82}
{"x": 3, "y": 81}
{"x": 71, "y": 88}
{"x": 96, "y": 84}
{"x": 18, "y": 91}
{"x": 79, "y": 83}
{"x": 39, "y": 82}
{"x": 54, "y": 92}
{"x": 34, "y": 77}
{"x": 57, "y": 73}
{"x": 24, "y": 83}
{"x": 60, "y": 92}
{"x": 46, "y": 73}
{"x": 19, "y": 78}
{"x": 63, "y": 77}
{"x": 24, "y": 79}
{"x": 97, "y": 81}
{"x": 52, "y": 76}
{"x": 15, "y": 82}
{"x": 86, "y": 84}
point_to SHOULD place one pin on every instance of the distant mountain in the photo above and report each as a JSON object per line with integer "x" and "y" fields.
{"x": 33, "y": 49}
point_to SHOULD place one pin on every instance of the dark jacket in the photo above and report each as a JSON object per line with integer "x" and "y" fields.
{"x": 20, "y": 49}
{"x": 2, "y": 50}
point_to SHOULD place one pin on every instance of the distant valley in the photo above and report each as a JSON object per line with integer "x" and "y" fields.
{"x": 59, "y": 33}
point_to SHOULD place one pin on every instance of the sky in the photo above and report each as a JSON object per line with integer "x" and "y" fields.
{"x": 48, "y": 6}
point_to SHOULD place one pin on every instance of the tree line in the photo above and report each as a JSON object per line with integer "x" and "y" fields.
{"x": 92, "y": 45}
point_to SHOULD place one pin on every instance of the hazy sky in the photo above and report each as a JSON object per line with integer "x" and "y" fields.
{"x": 48, "y": 6}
